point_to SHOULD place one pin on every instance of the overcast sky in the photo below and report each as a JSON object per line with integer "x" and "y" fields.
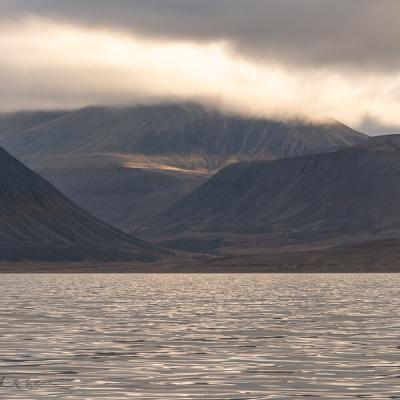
{"x": 311, "y": 58}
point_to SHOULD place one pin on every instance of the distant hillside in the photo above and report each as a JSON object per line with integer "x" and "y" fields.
{"x": 125, "y": 164}
{"x": 184, "y": 129}
{"x": 13, "y": 125}
{"x": 39, "y": 223}
{"x": 350, "y": 194}
{"x": 115, "y": 191}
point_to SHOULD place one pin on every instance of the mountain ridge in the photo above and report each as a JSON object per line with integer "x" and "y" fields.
{"x": 352, "y": 191}
{"x": 138, "y": 150}
{"x": 183, "y": 129}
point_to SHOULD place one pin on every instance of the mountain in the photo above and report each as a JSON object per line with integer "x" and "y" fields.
{"x": 124, "y": 194}
{"x": 351, "y": 194}
{"x": 39, "y": 223}
{"x": 168, "y": 129}
{"x": 124, "y": 164}
{"x": 13, "y": 125}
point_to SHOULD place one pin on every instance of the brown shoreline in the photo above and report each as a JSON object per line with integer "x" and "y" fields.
{"x": 218, "y": 268}
{"x": 374, "y": 257}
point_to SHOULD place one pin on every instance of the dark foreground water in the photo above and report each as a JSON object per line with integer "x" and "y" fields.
{"x": 199, "y": 336}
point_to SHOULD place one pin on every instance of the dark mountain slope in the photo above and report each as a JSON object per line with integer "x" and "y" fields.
{"x": 110, "y": 188}
{"x": 123, "y": 164}
{"x": 354, "y": 192}
{"x": 38, "y": 222}
{"x": 12, "y": 125}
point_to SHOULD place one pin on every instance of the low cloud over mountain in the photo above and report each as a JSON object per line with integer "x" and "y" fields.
{"x": 304, "y": 58}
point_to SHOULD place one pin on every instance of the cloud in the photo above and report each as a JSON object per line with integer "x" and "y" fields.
{"x": 349, "y": 33}
{"x": 50, "y": 64}
{"x": 308, "y": 58}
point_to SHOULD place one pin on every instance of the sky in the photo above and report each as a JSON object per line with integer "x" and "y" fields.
{"x": 275, "y": 58}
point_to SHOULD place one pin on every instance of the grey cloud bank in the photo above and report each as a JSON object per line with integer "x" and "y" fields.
{"x": 310, "y": 32}
{"x": 293, "y": 57}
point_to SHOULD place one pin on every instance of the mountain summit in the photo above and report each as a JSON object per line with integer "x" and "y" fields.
{"x": 166, "y": 129}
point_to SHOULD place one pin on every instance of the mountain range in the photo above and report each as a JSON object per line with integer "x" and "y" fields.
{"x": 343, "y": 196}
{"x": 235, "y": 193}
{"x": 123, "y": 165}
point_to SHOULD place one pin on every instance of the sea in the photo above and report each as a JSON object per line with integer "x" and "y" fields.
{"x": 199, "y": 336}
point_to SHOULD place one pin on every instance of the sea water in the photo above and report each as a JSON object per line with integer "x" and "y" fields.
{"x": 200, "y": 336}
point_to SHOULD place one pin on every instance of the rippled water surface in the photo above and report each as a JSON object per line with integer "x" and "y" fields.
{"x": 199, "y": 336}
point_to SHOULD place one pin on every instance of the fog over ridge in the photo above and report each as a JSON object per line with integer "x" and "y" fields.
{"x": 306, "y": 58}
